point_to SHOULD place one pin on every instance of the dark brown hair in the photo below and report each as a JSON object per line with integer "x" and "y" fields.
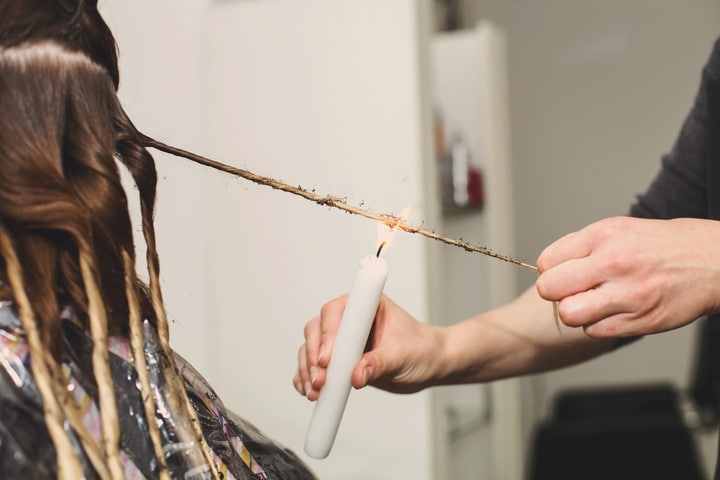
{"x": 65, "y": 232}
{"x": 61, "y": 127}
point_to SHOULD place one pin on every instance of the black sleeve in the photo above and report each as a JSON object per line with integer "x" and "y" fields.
{"x": 679, "y": 189}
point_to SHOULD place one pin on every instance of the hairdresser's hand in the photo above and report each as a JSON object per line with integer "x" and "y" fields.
{"x": 402, "y": 356}
{"x": 625, "y": 276}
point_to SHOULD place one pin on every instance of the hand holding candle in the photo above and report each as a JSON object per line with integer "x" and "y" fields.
{"x": 350, "y": 342}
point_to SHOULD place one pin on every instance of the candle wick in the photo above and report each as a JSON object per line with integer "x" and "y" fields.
{"x": 380, "y": 249}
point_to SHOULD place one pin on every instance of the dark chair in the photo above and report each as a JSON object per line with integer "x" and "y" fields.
{"x": 616, "y": 433}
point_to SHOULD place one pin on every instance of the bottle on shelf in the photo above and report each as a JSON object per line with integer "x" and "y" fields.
{"x": 461, "y": 179}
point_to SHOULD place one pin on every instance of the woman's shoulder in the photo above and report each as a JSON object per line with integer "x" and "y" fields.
{"x": 241, "y": 448}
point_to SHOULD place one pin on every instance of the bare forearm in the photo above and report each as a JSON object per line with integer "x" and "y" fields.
{"x": 519, "y": 338}
{"x": 407, "y": 355}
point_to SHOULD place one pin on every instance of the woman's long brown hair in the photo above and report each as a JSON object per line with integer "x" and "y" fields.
{"x": 65, "y": 230}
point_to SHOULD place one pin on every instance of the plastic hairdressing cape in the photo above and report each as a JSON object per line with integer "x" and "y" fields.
{"x": 26, "y": 452}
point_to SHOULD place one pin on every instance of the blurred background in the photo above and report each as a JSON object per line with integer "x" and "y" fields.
{"x": 508, "y": 123}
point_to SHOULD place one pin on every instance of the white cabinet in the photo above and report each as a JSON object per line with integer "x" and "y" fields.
{"x": 469, "y": 96}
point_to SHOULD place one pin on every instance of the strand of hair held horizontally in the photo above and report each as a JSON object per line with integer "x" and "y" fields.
{"x": 329, "y": 201}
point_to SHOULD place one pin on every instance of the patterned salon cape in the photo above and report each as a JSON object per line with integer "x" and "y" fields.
{"x": 239, "y": 450}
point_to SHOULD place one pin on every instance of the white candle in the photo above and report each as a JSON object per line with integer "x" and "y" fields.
{"x": 350, "y": 343}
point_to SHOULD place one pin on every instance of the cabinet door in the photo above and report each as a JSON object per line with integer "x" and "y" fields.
{"x": 484, "y": 433}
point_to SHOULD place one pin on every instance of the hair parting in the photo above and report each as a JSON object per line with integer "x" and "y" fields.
{"x": 68, "y": 463}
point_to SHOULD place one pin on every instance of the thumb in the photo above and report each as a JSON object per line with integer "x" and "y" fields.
{"x": 368, "y": 369}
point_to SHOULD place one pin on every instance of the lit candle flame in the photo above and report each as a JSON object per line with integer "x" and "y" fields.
{"x": 386, "y": 232}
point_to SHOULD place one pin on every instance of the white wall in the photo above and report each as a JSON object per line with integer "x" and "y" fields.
{"x": 598, "y": 91}
{"x": 159, "y": 53}
{"x": 321, "y": 93}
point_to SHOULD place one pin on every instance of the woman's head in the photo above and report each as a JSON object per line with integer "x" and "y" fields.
{"x": 65, "y": 230}
{"x": 73, "y": 24}
{"x": 61, "y": 129}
